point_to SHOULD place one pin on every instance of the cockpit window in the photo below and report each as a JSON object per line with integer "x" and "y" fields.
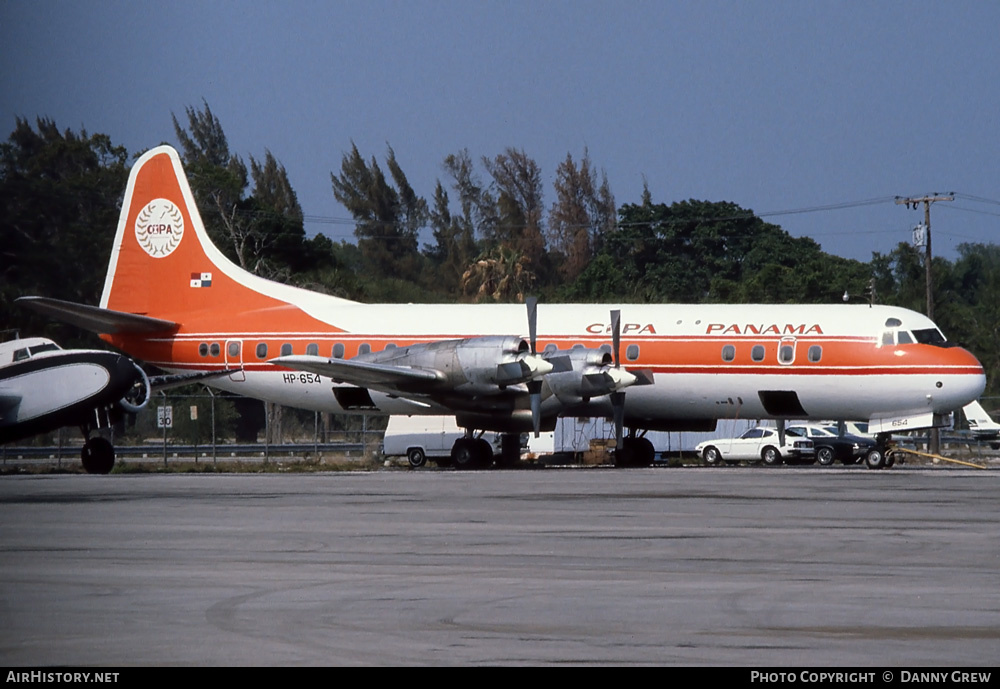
{"x": 893, "y": 323}
{"x": 930, "y": 336}
{"x": 21, "y": 354}
{"x": 903, "y": 337}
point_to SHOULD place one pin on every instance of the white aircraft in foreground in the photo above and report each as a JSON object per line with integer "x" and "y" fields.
{"x": 171, "y": 298}
{"x": 44, "y": 387}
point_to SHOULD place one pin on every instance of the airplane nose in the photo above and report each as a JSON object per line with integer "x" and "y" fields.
{"x": 965, "y": 384}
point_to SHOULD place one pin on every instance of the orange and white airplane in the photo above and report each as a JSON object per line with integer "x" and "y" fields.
{"x": 172, "y": 299}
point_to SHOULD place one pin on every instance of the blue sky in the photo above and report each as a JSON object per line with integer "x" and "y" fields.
{"x": 773, "y": 105}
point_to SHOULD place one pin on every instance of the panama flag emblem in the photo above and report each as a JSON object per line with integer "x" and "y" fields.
{"x": 201, "y": 279}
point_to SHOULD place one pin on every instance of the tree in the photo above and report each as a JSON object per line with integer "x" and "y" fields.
{"x": 387, "y": 219}
{"x": 699, "y": 251}
{"x": 502, "y": 275}
{"x": 60, "y": 195}
{"x": 479, "y": 211}
{"x": 454, "y": 245}
{"x": 518, "y": 181}
{"x": 582, "y": 214}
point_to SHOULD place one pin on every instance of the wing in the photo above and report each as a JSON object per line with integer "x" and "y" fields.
{"x": 366, "y": 374}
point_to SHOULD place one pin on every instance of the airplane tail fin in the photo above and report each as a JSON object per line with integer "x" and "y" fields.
{"x": 164, "y": 266}
{"x": 978, "y": 419}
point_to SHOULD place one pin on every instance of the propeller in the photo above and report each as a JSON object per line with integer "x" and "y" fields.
{"x": 535, "y": 384}
{"x": 617, "y": 397}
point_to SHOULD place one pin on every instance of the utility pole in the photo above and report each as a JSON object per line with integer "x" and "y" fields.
{"x": 911, "y": 202}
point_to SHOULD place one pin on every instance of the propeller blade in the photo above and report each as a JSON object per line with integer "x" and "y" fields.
{"x": 535, "y": 391}
{"x": 616, "y": 334}
{"x": 532, "y": 304}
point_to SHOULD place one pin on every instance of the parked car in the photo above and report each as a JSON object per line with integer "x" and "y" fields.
{"x": 757, "y": 445}
{"x": 855, "y": 428}
{"x": 420, "y": 438}
{"x": 848, "y": 449}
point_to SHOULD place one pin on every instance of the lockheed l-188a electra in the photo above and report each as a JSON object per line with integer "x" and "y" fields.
{"x": 172, "y": 299}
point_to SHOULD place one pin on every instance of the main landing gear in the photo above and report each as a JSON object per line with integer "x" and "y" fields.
{"x": 636, "y": 451}
{"x": 475, "y": 452}
{"x": 98, "y": 455}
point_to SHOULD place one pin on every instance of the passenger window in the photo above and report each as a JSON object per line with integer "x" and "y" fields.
{"x": 262, "y": 350}
{"x": 390, "y": 346}
{"x": 786, "y": 354}
{"x": 757, "y": 353}
{"x": 312, "y": 349}
{"x": 215, "y": 349}
{"x": 364, "y": 348}
{"x": 203, "y": 349}
{"x": 632, "y": 352}
{"x": 550, "y": 347}
{"x": 815, "y": 353}
{"x": 286, "y": 349}
{"x": 728, "y": 353}
{"x": 338, "y": 350}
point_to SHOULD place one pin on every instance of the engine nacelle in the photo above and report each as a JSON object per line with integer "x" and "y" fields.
{"x": 139, "y": 394}
{"x": 473, "y": 366}
{"x": 590, "y": 373}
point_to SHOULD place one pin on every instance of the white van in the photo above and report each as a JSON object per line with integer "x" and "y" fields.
{"x": 420, "y": 437}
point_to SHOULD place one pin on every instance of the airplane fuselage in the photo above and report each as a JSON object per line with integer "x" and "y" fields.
{"x": 173, "y": 299}
{"x": 708, "y": 361}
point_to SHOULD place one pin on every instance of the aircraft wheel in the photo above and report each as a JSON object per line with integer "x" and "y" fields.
{"x": 98, "y": 456}
{"x": 770, "y": 456}
{"x": 645, "y": 453}
{"x": 824, "y": 455}
{"x": 712, "y": 456}
{"x": 510, "y": 450}
{"x": 416, "y": 457}
{"x": 463, "y": 455}
{"x": 624, "y": 455}
{"x": 483, "y": 452}
{"x": 875, "y": 459}
{"x": 635, "y": 452}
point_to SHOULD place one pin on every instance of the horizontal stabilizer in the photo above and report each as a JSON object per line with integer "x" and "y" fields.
{"x": 361, "y": 373}
{"x": 96, "y": 319}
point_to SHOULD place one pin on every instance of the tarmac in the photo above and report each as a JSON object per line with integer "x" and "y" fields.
{"x": 752, "y": 567}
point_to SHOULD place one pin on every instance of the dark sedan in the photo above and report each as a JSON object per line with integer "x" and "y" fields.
{"x": 848, "y": 449}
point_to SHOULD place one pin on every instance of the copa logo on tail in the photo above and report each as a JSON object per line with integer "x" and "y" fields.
{"x": 159, "y": 228}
